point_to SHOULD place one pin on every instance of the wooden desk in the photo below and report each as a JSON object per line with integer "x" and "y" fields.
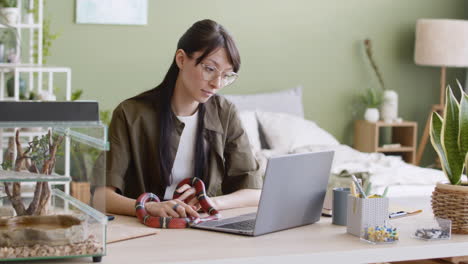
{"x": 321, "y": 242}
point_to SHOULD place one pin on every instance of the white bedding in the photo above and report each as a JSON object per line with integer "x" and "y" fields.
{"x": 407, "y": 190}
{"x": 384, "y": 170}
{"x": 284, "y": 129}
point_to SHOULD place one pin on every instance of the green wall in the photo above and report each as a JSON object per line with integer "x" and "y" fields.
{"x": 282, "y": 44}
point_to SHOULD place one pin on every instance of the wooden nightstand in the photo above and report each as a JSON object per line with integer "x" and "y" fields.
{"x": 366, "y": 138}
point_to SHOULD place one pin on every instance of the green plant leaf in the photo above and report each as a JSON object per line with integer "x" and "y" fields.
{"x": 436, "y": 132}
{"x": 384, "y": 194}
{"x": 8, "y": 3}
{"x": 105, "y": 116}
{"x": 463, "y": 125}
{"x": 449, "y": 138}
{"x": 7, "y": 165}
{"x": 76, "y": 95}
{"x": 372, "y": 98}
{"x": 368, "y": 188}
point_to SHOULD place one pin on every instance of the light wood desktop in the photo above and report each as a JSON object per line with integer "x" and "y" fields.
{"x": 321, "y": 242}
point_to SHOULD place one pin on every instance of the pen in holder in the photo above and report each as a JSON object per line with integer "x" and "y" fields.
{"x": 364, "y": 212}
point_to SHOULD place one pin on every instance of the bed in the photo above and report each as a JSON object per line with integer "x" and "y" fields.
{"x": 276, "y": 125}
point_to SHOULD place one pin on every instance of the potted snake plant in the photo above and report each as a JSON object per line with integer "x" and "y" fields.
{"x": 449, "y": 137}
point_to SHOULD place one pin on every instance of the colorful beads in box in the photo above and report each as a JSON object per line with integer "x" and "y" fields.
{"x": 380, "y": 234}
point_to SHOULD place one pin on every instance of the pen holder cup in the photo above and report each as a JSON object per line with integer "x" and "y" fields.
{"x": 365, "y": 212}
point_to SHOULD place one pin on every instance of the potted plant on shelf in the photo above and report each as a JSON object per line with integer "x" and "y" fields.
{"x": 9, "y": 11}
{"x": 449, "y": 137}
{"x": 372, "y": 97}
{"x": 9, "y": 37}
{"x": 11, "y": 87}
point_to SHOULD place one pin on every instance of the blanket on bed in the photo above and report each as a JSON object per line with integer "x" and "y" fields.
{"x": 383, "y": 170}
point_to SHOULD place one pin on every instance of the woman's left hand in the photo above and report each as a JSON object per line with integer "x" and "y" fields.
{"x": 189, "y": 192}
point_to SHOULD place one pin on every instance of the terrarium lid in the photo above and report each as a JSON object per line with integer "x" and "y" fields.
{"x": 14, "y": 176}
{"x": 51, "y": 111}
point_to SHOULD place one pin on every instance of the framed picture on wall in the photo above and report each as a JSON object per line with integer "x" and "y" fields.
{"x": 117, "y": 12}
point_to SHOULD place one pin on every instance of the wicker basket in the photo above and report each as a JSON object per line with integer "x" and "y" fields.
{"x": 451, "y": 202}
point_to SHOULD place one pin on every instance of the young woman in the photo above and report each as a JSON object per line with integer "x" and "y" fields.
{"x": 183, "y": 129}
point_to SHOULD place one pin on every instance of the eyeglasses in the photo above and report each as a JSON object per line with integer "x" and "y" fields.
{"x": 210, "y": 73}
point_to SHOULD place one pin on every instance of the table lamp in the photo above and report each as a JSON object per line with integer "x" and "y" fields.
{"x": 442, "y": 43}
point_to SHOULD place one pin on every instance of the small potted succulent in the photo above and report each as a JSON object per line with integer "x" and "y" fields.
{"x": 372, "y": 99}
{"x": 449, "y": 137}
{"x": 9, "y": 11}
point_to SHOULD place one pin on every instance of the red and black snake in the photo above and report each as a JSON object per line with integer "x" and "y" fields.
{"x": 176, "y": 222}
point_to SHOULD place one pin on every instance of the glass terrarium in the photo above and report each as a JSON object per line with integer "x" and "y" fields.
{"x": 51, "y": 203}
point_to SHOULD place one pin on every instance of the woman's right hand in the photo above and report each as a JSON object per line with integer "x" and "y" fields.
{"x": 172, "y": 208}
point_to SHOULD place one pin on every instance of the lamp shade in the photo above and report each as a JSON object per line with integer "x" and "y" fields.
{"x": 441, "y": 42}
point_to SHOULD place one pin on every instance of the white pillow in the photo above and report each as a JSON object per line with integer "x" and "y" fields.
{"x": 286, "y": 132}
{"x": 250, "y": 124}
{"x": 285, "y": 101}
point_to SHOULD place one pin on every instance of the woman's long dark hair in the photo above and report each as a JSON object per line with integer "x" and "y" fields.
{"x": 207, "y": 36}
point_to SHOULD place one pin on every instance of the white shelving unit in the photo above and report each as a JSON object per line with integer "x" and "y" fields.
{"x": 40, "y": 77}
{"x": 36, "y": 72}
{"x": 17, "y": 69}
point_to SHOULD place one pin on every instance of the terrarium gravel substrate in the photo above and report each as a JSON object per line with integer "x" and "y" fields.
{"x": 89, "y": 247}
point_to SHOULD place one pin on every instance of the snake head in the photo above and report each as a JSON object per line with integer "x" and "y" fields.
{"x": 194, "y": 221}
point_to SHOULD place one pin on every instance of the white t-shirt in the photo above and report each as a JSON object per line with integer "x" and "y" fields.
{"x": 184, "y": 160}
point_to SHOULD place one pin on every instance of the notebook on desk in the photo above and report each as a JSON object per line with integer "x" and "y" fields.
{"x": 292, "y": 195}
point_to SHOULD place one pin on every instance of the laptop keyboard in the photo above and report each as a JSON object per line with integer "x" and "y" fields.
{"x": 243, "y": 225}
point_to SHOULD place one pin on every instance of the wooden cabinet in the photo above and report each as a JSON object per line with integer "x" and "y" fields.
{"x": 367, "y": 134}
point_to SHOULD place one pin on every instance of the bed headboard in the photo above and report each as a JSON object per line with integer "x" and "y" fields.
{"x": 285, "y": 101}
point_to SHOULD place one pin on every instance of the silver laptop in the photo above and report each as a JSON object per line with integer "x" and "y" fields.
{"x": 292, "y": 195}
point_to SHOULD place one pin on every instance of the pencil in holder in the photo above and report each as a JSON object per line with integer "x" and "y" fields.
{"x": 364, "y": 212}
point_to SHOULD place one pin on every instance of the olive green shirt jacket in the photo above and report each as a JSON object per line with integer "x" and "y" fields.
{"x": 132, "y": 163}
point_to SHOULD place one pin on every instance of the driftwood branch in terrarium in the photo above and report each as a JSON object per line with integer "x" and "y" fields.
{"x": 32, "y": 208}
{"x": 43, "y": 150}
{"x": 42, "y": 190}
{"x": 15, "y": 195}
{"x": 19, "y": 165}
{"x": 7, "y": 163}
